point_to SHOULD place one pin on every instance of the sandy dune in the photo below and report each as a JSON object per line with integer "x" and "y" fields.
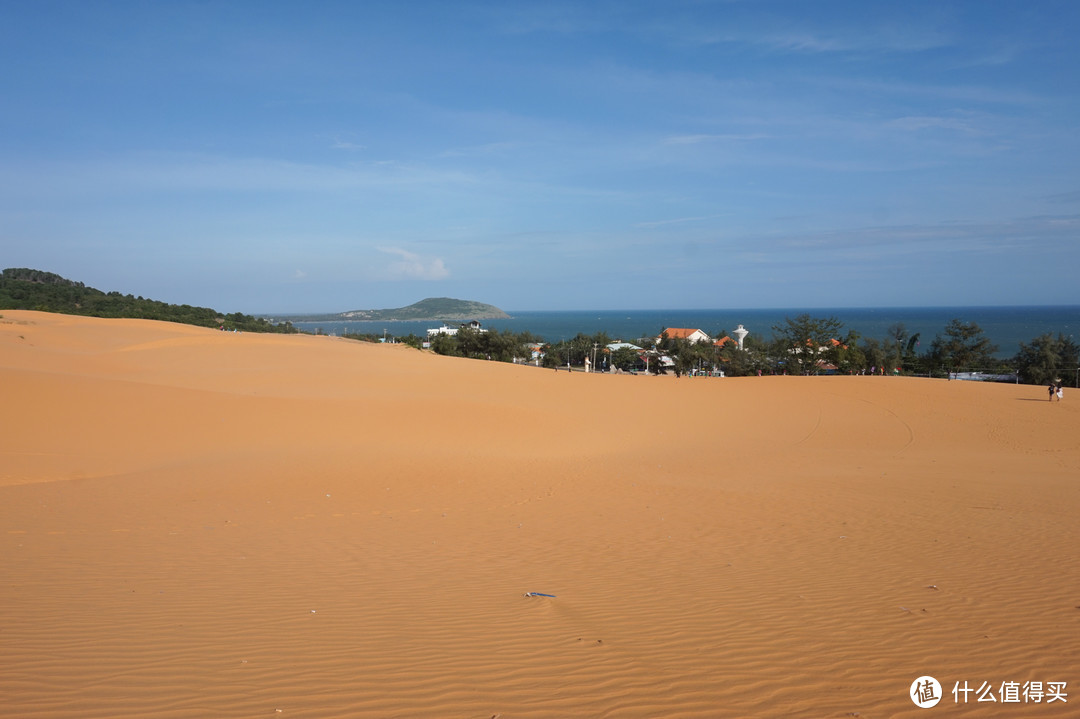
{"x": 206, "y": 524}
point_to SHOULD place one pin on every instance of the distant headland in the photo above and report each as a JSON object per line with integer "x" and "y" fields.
{"x": 432, "y": 309}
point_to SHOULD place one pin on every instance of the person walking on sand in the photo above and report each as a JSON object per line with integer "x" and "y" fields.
{"x": 1052, "y": 390}
{"x": 1060, "y": 392}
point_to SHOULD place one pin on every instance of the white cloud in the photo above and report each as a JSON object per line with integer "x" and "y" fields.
{"x": 415, "y": 267}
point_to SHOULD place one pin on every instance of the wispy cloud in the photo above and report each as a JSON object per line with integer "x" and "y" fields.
{"x": 995, "y": 56}
{"x": 916, "y": 123}
{"x": 490, "y": 149}
{"x": 341, "y": 141}
{"x": 1036, "y": 233}
{"x": 882, "y": 39}
{"x": 195, "y": 172}
{"x": 411, "y": 266}
{"x": 550, "y": 17}
{"x": 809, "y": 35}
{"x": 675, "y": 221}
{"x": 954, "y": 93}
{"x": 346, "y": 145}
{"x": 1064, "y": 198}
{"x": 698, "y": 139}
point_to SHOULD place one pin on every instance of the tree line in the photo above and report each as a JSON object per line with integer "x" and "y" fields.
{"x": 26, "y": 289}
{"x": 809, "y": 345}
{"x": 801, "y": 345}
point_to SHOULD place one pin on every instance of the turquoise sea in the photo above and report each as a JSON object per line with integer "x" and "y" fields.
{"x": 1006, "y": 327}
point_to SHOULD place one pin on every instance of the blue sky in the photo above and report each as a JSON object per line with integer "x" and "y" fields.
{"x": 326, "y": 156}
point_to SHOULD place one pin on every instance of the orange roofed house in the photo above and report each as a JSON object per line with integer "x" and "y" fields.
{"x": 684, "y": 333}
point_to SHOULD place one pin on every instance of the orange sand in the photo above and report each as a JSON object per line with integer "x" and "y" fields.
{"x": 206, "y": 524}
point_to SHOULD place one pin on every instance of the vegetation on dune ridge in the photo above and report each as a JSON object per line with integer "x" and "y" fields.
{"x": 26, "y": 289}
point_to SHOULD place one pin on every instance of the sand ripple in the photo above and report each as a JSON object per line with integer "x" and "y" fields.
{"x": 205, "y": 524}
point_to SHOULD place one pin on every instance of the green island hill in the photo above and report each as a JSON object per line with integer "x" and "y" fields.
{"x": 432, "y": 309}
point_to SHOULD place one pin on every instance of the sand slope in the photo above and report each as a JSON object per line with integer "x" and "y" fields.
{"x": 207, "y": 524}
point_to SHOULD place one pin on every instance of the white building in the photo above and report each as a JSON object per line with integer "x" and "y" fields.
{"x": 451, "y": 331}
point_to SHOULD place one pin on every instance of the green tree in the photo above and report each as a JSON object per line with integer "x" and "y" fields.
{"x": 706, "y": 356}
{"x": 912, "y": 362}
{"x": 443, "y": 344}
{"x": 873, "y": 353}
{"x": 472, "y": 343}
{"x": 551, "y": 357}
{"x": 505, "y": 346}
{"x": 575, "y": 350}
{"x": 896, "y": 337}
{"x": 847, "y": 355}
{"x": 412, "y": 340}
{"x": 627, "y": 359}
{"x": 1047, "y": 359}
{"x": 964, "y": 346}
{"x": 802, "y": 341}
{"x": 739, "y": 362}
{"x": 681, "y": 352}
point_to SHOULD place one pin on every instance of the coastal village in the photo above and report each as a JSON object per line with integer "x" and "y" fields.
{"x": 801, "y": 345}
{"x": 651, "y": 360}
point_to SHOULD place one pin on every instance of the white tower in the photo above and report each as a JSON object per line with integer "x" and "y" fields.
{"x": 740, "y": 334}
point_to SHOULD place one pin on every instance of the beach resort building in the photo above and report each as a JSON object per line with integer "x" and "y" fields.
{"x": 684, "y": 333}
{"x": 536, "y": 352}
{"x": 451, "y": 331}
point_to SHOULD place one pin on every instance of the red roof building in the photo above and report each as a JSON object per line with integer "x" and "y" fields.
{"x": 684, "y": 333}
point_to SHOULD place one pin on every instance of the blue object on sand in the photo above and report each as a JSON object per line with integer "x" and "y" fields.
{"x": 538, "y": 594}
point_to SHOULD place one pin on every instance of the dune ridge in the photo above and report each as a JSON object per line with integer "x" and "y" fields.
{"x": 199, "y": 523}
